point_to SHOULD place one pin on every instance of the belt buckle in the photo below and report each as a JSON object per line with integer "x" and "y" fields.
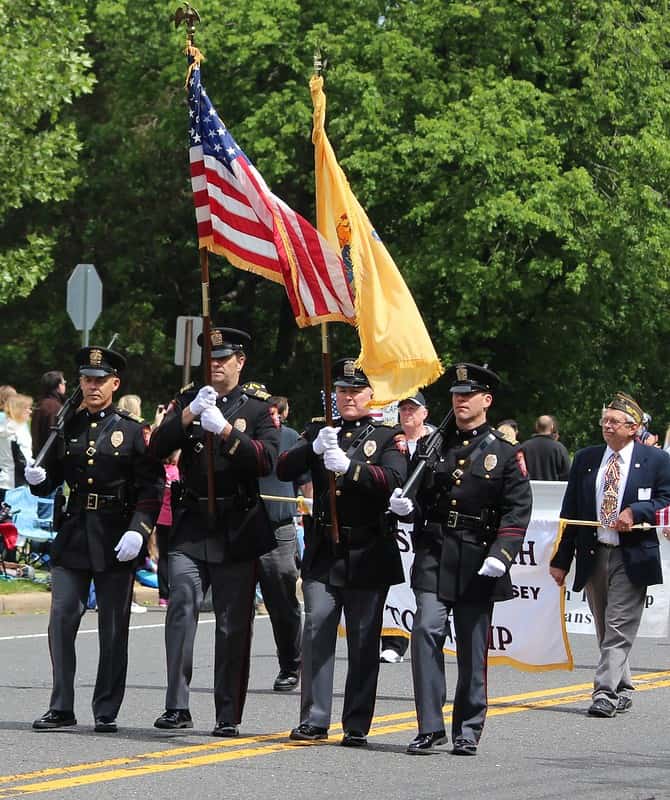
{"x": 452, "y": 519}
{"x": 92, "y": 502}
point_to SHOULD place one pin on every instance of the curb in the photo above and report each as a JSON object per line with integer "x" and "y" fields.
{"x": 40, "y": 602}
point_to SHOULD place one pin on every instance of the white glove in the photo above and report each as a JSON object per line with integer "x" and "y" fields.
{"x": 326, "y": 440}
{"x": 492, "y": 568}
{"x": 206, "y": 398}
{"x": 402, "y": 506}
{"x": 129, "y": 545}
{"x": 335, "y": 460}
{"x": 212, "y": 420}
{"x": 35, "y": 475}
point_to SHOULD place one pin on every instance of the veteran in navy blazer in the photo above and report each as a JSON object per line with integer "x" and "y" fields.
{"x": 614, "y": 562}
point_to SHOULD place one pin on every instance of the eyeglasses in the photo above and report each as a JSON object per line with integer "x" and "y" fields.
{"x": 615, "y": 424}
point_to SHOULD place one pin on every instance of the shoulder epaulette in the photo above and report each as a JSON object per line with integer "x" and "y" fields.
{"x": 128, "y": 415}
{"x": 318, "y": 419}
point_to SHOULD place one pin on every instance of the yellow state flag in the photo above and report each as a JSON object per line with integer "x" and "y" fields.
{"x": 396, "y": 354}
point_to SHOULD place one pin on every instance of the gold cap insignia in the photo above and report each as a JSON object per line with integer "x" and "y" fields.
{"x": 370, "y": 447}
{"x": 217, "y": 338}
{"x": 240, "y": 424}
{"x": 461, "y": 373}
{"x": 349, "y": 369}
{"x": 490, "y": 462}
{"x": 117, "y": 438}
{"x": 95, "y": 358}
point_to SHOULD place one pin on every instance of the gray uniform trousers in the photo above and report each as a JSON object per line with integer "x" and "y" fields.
{"x": 69, "y": 594}
{"x": 278, "y": 577}
{"x": 363, "y": 609}
{"x": 233, "y": 586}
{"x": 429, "y": 631}
{"x": 617, "y": 606}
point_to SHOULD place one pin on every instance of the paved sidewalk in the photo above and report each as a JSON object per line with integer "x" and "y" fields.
{"x": 40, "y": 602}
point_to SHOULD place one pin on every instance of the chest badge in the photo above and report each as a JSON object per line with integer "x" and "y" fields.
{"x": 370, "y": 447}
{"x": 490, "y": 462}
{"x": 240, "y": 424}
{"x": 117, "y": 438}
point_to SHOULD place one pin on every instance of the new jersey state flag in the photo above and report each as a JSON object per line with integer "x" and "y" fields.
{"x": 396, "y": 354}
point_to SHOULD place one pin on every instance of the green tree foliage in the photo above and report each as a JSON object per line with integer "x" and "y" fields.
{"x": 44, "y": 67}
{"x": 514, "y": 156}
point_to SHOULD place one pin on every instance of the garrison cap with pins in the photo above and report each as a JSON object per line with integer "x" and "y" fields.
{"x": 96, "y": 362}
{"x": 346, "y": 373}
{"x": 624, "y": 402}
{"x": 467, "y": 378}
{"x": 226, "y": 341}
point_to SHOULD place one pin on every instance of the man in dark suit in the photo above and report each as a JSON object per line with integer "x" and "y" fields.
{"x": 620, "y": 484}
{"x": 219, "y": 552}
{"x": 354, "y": 574}
{"x": 546, "y": 458}
{"x": 473, "y": 508}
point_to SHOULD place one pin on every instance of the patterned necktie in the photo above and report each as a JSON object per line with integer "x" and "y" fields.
{"x": 608, "y": 507}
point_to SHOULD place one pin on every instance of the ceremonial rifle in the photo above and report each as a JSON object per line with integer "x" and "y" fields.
{"x": 427, "y": 453}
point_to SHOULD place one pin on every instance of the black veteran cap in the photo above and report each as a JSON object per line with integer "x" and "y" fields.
{"x": 466, "y": 378}
{"x": 418, "y": 399}
{"x": 346, "y": 373}
{"x": 255, "y": 389}
{"x": 97, "y": 362}
{"x": 226, "y": 341}
{"x": 624, "y": 402}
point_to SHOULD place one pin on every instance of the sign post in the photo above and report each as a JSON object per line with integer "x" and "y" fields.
{"x": 84, "y": 298}
{"x": 187, "y": 351}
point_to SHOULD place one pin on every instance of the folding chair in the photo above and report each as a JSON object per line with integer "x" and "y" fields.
{"x": 33, "y": 518}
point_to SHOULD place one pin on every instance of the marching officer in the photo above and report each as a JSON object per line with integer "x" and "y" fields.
{"x": 472, "y": 510}
{"x": 116, "y": 488}
{"x": 218, "y": 552}
{"x": 354, "y": 573}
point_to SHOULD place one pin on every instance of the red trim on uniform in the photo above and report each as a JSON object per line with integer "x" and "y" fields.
{"x": 511, "y": 532}
{"x": 262, "y": 460}
{"x": 379, "y": 477}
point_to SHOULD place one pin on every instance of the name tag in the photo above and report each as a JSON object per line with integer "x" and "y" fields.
{"x": 644, "y": 494}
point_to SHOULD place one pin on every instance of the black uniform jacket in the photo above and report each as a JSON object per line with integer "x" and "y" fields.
{"x": 476, "y": 503}
{"x": 647, "y": 490}
{"x": 242, "y": 530}
{"x": 115, "y": 485}
{"x": 367, "y": 556}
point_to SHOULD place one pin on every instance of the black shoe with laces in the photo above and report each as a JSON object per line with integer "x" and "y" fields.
{"x": 226, "y": 729}
{"x": 53, "y": 720}
{"x": 308, "y": 733}
{"x": 425, "y": 743}
{"x": 354, "y": 739}
{"x": 174, "y": 719}
{"x": 285, "y": 681}
{"x": 105, "y": 725}
{"x": 464, "y": 747}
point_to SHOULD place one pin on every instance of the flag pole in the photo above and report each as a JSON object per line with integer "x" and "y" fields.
{"x": 327, "y": 381}
{"x": 190, "y": 17}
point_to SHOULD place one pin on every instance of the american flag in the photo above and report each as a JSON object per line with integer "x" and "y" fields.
{"x": 663, "y": 517}
{"x": 240, "y": 218}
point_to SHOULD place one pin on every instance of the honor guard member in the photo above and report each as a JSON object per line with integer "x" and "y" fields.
{"x": 116, "y": 488}
{"x": 472, "y": 511}
{"x": 220, "y": 552}
{"x": 355, "y": 573}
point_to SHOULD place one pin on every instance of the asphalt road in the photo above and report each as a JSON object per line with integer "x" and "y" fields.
{"x": 538, "y": 742}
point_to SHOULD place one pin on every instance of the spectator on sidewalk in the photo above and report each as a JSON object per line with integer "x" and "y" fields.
{"x": 15, "y": 442}
{"x": 546, "y": 458}
{"x": 53, "y": 387}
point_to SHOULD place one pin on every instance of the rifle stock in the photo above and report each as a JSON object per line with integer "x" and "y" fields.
{"x": 427, "y": 456}
{"x": 68, "y": 410}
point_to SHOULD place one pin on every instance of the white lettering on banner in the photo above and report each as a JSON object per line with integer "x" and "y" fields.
{"x": 535, "y": 641}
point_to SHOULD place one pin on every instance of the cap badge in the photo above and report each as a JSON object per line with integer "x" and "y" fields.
{"x": 117, "y": 438}
{"x": 461, "y": 373}
{"x": 95, "y": 358}
{"x": 349, "y": 369}
{"x": 490, "y": 462}
{"x": 240, "y": 424}
{"x": 370, "y": 447}
{"x": 217, "y": 338}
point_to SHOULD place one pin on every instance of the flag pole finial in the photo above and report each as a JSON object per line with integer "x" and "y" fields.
{"x": 318, "y": 62}
{"x": 188, "y": 16}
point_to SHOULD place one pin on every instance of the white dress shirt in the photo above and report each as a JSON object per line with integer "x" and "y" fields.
{"x": 609, "y": 535}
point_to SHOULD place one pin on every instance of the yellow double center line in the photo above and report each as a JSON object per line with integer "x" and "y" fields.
{"x": 57, "y": 778}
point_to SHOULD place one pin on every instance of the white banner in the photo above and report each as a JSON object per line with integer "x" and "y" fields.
{"x": 530, "y": 631}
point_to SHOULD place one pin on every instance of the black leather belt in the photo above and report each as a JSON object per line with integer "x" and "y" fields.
{"x": 92, "y": 501}
{"x": 454, "y": 519}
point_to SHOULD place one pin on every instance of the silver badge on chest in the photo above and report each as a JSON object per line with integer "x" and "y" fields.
{"x": 370, "y": 448}
{"x": 117, "y": 438}
{"x": 490, "y": 462}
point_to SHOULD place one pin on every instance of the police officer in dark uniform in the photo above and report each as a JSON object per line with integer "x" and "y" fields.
{"x": 355, "y": 573}
{"x": 116, "y": 488}
{"x": 472, "y": 511}
{"x": 221, "y": 551}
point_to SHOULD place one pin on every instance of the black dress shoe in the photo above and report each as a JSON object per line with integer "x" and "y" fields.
{"x": 54, "y": 719}
{"x": 226, "y": 729}
{"x": 425, "y": 743}
{"x": 308, "y": 733}
{"x": 105, "y": 725}
{"x": 354, "y": 739}
{"x": 624, "y": 703}
{"x": 174, "y": 719}
{"x": 464, "y": 747}
{"x": 602, "y": 708}
{"x": 285, "y": 681}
